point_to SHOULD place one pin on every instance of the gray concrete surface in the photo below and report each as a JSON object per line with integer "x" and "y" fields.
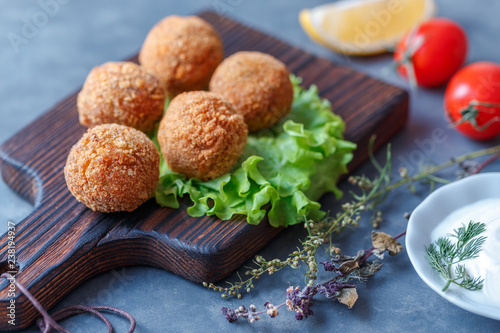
{"x": 52, "y": 61}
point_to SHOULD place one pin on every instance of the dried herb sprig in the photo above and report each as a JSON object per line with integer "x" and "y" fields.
{"x": 303, "y": 255}
{"x": 444, "y": 254}
{"x": 348, "y": 270}
{"x": 372, "y": 192}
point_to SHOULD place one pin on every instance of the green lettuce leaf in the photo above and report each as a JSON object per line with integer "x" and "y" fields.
{"x": 283, "y": 171}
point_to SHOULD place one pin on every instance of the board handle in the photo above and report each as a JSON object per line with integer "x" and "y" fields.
{"x": 61, "y": 244}
{"x": 28, "y": 250}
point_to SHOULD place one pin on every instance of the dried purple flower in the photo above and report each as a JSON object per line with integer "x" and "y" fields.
{"x": 328, "y": 266}
{"x": 272, "y": 310}
{"x": 230, "y": 314}
{"x": 241, "y": 310}
{"x": 340, "y": 287}
{"x": 333, "y": 289}
{"x": 300, "y": 301}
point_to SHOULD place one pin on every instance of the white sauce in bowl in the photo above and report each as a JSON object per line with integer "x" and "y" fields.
{"x": 487, "y": 264}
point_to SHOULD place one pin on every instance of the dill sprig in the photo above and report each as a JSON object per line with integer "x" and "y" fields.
{"x": 443, "y": 254}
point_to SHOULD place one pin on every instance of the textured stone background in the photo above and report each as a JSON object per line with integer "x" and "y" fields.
{"x": 80, "y": 34}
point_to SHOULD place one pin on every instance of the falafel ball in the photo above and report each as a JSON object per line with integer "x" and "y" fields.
{"x": 201, "y": 135}
{"x": 183, "y": 52}
{"x": 257, "y": 84}
{"x": 112, "y": 168}
{"x": 122, "y": 93}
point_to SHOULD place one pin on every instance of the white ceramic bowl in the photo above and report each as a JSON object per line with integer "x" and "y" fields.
{"x": 429, "y": 214}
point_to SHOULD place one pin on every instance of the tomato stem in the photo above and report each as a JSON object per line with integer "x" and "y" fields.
{"x": 407, "y": 61}
{"x": 410, "y": 71}
{"x": 485, "y": 104}
{"x": 471, "y": 112}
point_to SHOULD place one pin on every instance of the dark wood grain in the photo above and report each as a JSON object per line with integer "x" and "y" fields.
{"x": 62, "y": 243}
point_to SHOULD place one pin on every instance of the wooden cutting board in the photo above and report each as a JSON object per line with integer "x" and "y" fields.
{"x": 62, "y": 243}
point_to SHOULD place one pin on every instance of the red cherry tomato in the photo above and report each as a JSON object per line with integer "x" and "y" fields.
{"x": 472, "y": 100}
{"x": 435, "y": 49}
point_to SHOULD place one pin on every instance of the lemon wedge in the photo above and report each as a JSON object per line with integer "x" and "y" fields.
{"x": 364, "y": 27}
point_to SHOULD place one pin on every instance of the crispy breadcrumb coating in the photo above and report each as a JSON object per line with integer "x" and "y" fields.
{"x": 112, "y": 168}
{"x": 257, "y": 84}
{"x": 201, "y": 135}
{"x": 122, "y": 93}
{"x": 183, "y": 52}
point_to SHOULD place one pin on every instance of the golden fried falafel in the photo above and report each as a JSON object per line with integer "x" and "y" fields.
{"x": 201, "y": 135}
{"x": 112, "y": 168}
{"x": 122, "y": 93}
{"x": 183, "y": 52}
{"x": 257, "y": 84}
